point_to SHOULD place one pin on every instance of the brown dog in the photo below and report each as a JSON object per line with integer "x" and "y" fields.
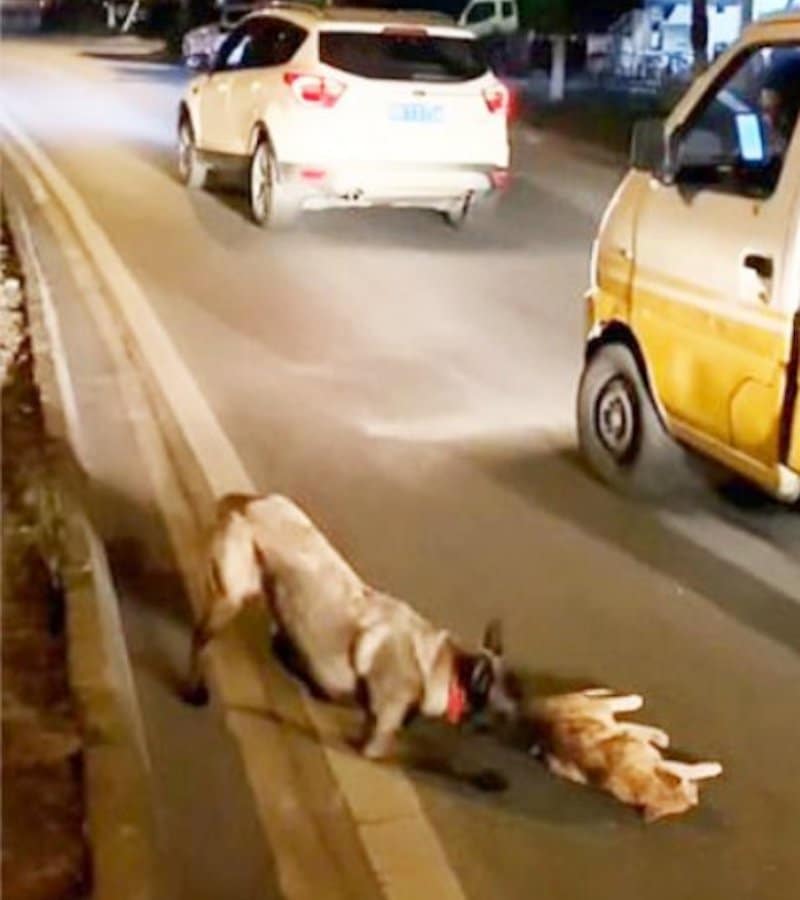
{"x": 352, "y": 641}
{"x": 580, "y": 739}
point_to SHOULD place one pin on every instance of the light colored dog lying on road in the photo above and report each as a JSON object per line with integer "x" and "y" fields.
{"x": 352, "y": 641}
{"x": 580, "y": 738}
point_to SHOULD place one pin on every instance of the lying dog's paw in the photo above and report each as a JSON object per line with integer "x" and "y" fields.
{"x": 195, "y": 695}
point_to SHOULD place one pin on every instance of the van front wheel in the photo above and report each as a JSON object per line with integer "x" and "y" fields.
{"x": 620, "y": 433}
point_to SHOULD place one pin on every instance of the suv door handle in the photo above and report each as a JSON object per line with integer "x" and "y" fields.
{"x": 761, "y": 265}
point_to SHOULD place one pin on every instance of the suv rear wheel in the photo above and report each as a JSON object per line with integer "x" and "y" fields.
{"x": 269, "y": 205}
{"x": 193, "y": 172}
{"x": 620, "y": 433}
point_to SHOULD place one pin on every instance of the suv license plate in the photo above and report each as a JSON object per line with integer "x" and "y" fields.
{"x": 423, "y": 113}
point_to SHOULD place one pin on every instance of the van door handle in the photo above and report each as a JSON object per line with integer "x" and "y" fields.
{"x": 761, "y": 265}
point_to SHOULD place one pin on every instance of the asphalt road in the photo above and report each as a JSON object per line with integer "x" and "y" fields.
{"x": 413, "y": 387}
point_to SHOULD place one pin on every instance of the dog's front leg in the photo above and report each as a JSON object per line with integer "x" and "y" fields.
{"x": 216, "y": 618}
{"x": 386, "y": 722}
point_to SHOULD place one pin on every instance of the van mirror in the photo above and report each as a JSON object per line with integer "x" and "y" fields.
{"x": 649, "y": 146}
{"x": 200, "y": 62}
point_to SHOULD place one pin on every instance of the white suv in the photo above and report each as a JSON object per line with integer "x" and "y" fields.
{"x": 339, "y": 107}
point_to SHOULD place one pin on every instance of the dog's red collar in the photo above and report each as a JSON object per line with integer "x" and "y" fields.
{"x": 456, "y": 702}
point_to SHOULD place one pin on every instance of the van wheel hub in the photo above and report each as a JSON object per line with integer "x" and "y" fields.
{"x": 617, "y": 418}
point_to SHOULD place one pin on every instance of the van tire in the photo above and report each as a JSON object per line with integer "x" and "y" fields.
{"x": 620, "y": 433}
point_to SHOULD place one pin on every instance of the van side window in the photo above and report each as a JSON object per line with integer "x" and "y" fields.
{"x": 738, "y": 139}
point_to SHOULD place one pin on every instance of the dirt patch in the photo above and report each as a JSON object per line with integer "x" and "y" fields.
{"x": 45, "y": 853}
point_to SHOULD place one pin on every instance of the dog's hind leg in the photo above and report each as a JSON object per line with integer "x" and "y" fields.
{"x": 655, "y": 736}
{"x": 628, "y": 703}
{"x": 692, "y": 771}
{"x": 568, "y": 770}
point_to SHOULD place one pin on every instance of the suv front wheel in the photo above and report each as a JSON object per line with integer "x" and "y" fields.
{"x": 620, "y": 433}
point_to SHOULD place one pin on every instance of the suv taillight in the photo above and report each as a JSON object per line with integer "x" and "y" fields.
{"x": 497, "y": 99}
{"x": 315, "y": 90}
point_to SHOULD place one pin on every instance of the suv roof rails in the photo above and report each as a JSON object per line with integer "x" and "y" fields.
{"x": 300, "y": 5}
{"x": 404, "y": 12}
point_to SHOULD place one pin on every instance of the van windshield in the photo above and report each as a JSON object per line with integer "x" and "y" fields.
{"x": 740, "y": 137}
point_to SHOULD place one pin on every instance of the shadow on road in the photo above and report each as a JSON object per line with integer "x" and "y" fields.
{"x": 142, "y": 568}
{"x": 479, "y": 769}
{"x": 524, "y": 217}
{"x": 557, "y": 481}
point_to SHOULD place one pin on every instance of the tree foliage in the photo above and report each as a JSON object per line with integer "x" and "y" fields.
{"x": 563, "y": 16}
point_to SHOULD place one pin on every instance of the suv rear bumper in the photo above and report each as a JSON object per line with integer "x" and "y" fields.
{"x": 436, "y": 186}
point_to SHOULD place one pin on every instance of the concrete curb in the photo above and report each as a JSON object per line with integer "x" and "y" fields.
{"x": 116, "y": 766}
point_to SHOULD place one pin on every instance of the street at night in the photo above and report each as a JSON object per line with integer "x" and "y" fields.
{"x": 413, "y": 387}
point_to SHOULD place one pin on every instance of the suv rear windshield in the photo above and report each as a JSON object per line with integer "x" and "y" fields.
{"x": 408, "y": 56}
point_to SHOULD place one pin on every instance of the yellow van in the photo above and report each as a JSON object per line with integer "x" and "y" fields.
{"x": 694, "y": 306}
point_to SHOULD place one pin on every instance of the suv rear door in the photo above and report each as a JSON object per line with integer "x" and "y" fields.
{"x": 413, "y": 95}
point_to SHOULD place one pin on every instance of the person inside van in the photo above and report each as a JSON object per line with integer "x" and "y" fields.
{"x": 780, "y": 102}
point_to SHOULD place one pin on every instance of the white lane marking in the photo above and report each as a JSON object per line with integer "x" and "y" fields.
{"x": 405, "y": 852}
{"x": 474, "y": 429}
{"x": 771, "y": 564}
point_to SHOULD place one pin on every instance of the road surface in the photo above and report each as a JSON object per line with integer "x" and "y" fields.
{"x": 413, "y": 388}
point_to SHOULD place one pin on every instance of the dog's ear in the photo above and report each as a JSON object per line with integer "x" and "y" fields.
{"x": 481, "y": 680}
{"x": 493, "y": 638}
